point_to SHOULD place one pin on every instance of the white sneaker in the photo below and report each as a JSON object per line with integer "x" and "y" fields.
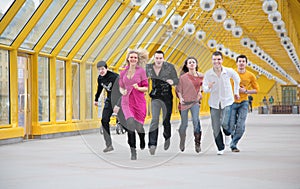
{"x": 221, "y": 152}
{"x": 227, "y": 140}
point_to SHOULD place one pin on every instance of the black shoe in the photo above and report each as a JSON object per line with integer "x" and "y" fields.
{"x": 108, "y": 149}
{"x": 167, "y": 144}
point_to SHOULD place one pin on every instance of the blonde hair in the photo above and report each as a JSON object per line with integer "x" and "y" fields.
{"x": 142, "y": 56}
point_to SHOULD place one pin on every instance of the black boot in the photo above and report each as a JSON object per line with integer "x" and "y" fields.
{"x": 142, "y": 141}
{"x": 182, "y": 141}
{"x": 133, "y": 153}
{"x": 197, "y": 142}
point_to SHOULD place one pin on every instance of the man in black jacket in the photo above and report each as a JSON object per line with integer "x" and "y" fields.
{"x": 163, "y": 76}
{"x": 110, "y": 82}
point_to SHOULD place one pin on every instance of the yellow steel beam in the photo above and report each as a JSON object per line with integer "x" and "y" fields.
{"x": 106, "y": 29}
{"x": 13, "y": 59}
{"x": 73, "y": 27}
{"x": 134, "y": 27}
{"x": 31, "y": 23}
{"x": 55, "y": 24}
{"x": 10, "y": 14}
{"x": 89, "y": 31}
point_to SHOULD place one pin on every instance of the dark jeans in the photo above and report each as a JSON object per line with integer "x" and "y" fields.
{"x": 156, "y": 106}
{"x": 106, "y": 114}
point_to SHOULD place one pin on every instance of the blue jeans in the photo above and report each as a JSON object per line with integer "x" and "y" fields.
{"x": 156, "y": 106}
{"x": 220, "y": 118}
{"x": 237, "y": 121}
{"x": 195, "y": 117}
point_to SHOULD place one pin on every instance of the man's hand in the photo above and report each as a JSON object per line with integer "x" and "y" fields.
{"x": 236, "y": 97}
{"x": 95, "y": 103}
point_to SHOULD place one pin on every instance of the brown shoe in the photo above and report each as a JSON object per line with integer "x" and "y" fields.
{"x": 235, "y": 150}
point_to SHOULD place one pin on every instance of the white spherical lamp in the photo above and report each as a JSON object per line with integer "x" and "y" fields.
{"x": 207, "y": 5}
{"x": 219, "y": 15}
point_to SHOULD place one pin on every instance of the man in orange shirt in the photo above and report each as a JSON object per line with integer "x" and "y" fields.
{"x": 248, "y": 85}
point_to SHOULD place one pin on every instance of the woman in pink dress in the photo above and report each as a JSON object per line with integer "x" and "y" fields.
{"x": 189, "y": 94}
{"x": 133, "y": 85}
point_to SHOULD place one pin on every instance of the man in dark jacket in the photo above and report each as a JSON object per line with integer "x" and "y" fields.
{"x": 109, "y": 81}
{"x": 163, "y": 76}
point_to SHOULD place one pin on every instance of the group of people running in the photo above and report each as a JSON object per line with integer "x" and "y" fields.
{"x": 228, "y": 99}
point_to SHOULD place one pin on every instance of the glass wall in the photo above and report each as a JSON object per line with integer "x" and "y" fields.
{"x": 4, "y": 88}
{"x": 43, "y": 89}
{"x": 88, "y": 92}
{"x": 60, "y": 90}
{"x": 75, "y": 91}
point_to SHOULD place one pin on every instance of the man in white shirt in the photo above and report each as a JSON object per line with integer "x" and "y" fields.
{"x": 217, "y": 83}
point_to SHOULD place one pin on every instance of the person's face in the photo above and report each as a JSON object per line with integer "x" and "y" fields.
{"x": 217, "y": 61}
{"x": 158, "y": 59}
{"x": 191, "y": 64}
{"x": 241, "y": 63}
{"x": 102, "y": 71}
{"x": 133, "y": 59}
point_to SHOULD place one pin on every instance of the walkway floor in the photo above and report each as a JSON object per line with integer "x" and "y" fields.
{"x": 269, "y": 159}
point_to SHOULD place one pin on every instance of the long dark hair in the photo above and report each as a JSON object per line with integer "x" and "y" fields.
{"x": 185, "y": 68}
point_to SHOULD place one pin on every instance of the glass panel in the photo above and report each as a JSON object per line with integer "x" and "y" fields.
{"x": 82, "y": 28}
{"x": 75, "y": 91}
{"x": 64, "y": 26}
{"x": 60, "y": 90}
{"x": 4, "y": 7}
{"x": 19, "y": 21}
{"x": 4, "y": 88}
{"x": 88, "y": 92}
{"x": 42, "y": 25}
{"x": 43, "y": 89}
{"x": 106, "y": 18}
{"x": 121, "y": 32}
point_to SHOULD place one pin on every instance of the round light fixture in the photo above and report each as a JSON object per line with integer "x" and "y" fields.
{"x": 212, "y": 43}
{"x": 176, "y": 21}
{"x": 245, "y": 42}
{"x": 200, "y": 35}
{"x": 229, "y": 24}
{"x": 159, "y": 10}
{"x": 269, "y": 6}
{"x": 189, "y": 28}
{"x": 237, "y": 31}
{"x": 274, "y": 17}
{"x": 138, "y": 2}
{"x": 219, "y": 15}
{"x": 207, "y": 5}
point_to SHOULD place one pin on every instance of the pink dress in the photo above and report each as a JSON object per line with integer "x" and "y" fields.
{"x": 134, "y": 103}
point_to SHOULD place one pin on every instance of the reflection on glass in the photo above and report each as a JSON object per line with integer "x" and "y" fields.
{"x": 75, "y": 91}
{"x": 42, "y": 25}
{"x": 4, "y": 88}
{"x": 65, "y": 25}
{"x": 19, "y": 21}
{"x": 4, "y": 7}
{"x": 43, "y": 89}
{"x": 60, "y": 91}
{"x": 88, "y": 91}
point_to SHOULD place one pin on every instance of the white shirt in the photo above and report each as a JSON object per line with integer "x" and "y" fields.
{"x": 221, "y": 91}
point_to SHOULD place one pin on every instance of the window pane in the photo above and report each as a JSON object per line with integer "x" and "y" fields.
{"x": 42, "y": 25}
{"x": 106, "y": 18}
{"x": 4, "y": 7}
{"x": 19, "y": 21}
{"x": 75, "y": 91}
{"x": 64, "y": 26}
{"x": 88, "y": 92}
{"x": 43, "y": 89}
{"x": 60, "y": 91}
{"x": 4, "y": 88}
{"x": 82, "y": 28}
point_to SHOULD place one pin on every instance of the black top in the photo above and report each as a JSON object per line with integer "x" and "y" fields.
{"x": 159, "y": 84}
{"x": 110, "y": 82}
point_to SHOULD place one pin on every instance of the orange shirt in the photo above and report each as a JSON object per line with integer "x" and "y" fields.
{"x": 248, "y": 81}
